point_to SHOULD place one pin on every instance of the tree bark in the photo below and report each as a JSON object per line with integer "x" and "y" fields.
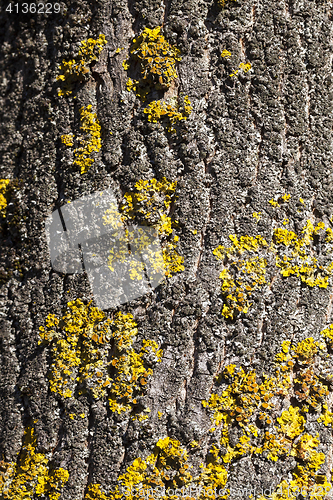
{"x": 250, "y": 138}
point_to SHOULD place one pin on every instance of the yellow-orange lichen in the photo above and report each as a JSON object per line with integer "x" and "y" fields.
{"x": 4, "y": 185}
{"x": 89, "y": 143}
{"x": 80, "y": 344}
{"x": 157, "y": 59}
{"x": 31, "y": 475}
{"x": 171, "y": 112}
{"x": 294, "y": 255}
{"x": 245, "y": 399}
{"x": 150, "y": 205}
{"x": 75, "y": 69}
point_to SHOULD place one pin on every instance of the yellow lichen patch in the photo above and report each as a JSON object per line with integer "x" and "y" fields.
{"x": 245, "y": 67}
{"x": 291, "y": 422}
{"x": 90, "y": 142}
{"x": 4, "y": 185}
{"x": 150, "y": 205}
{"x": 240, "y": 245}
{"x": 282, "y": 199}
{"x": 274, "y": 203}
{"x": 90, "y": 126}
{"x": 304, "y": 447}
{"x": 130, "y": 371}
{"x": 250, "y": 272}
{"x": 166, "y": 469}
{"x": 157, "y": 60}
{"x": 221, "y": 3}
{"x": 243, "y": 400}
{"x": 80, "y": 344}
{"x": 77, "y": 345}
{"x": 327, "y": 333}
{"x": 305, "y": 481}
{"x": 67, "y": 140}
{"x": 31, "y": 475}
{"x": 309, "y": 388}
{"x": 140, "y": 417}
{"x": 144, "y": 244}
{"x": 76, "y": 69}
{"x": 173, "y": 262}
{"x": 257, "y": 215}
{"x": 326, "y": 417}
{"x": 306, "y": 349}
{"x": 95, "y": 493}
{"x": 112, "y": 217}
{"x": 168, "y": 462}
{"x": 150, "y": 201}
{"x": 294, "y": 255}
{"x": 225, "y": 53}
{"x": 274, "y": 446}
{"x": 246, "y": 400}
{"x": 171, "y": 112}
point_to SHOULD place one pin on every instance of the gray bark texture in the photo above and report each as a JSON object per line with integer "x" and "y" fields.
{"x": 250, "y": 138}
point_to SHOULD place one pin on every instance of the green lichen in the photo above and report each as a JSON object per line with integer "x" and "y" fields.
{"x": 81, "y": 342}
{"x": 31, "y": 475}
{"x": 76, "y": 69}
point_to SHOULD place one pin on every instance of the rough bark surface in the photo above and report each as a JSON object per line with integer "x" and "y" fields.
{"x": 249, "y": 139}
